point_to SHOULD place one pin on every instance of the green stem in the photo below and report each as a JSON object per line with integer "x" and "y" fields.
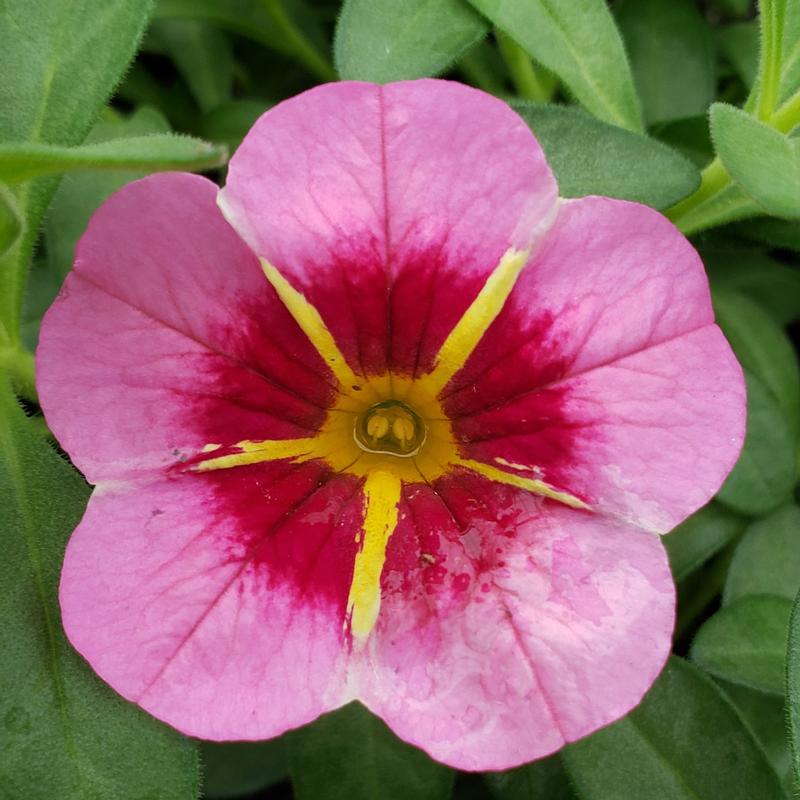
{"x": 13, "y": 274}
{"x": 713, "y": 180}
{"x": 771, "y": 14}
{"x": 717, "y": 201}
{"x": 306, "y": 52}
{"x": 522, "y": 71}
{"x": 20, "y": 367}
{"x": 787, "y": 116}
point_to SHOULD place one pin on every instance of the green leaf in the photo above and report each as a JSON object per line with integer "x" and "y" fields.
{"x": 593, "y": 157}
{"x": 767, "y": 560}
{"x": 793, "y": 688}
{"x": 66, "y": 734}
{"x": 750, "y": 272}
{"x": 287, "y": 26}
{"x": 745, "y": 642}
{"x": 202, "y": 54}
{"x": 764, "y": 475}
{"x": 78, "y": 196}
{"x": 735, "y": 8}
{"x": 774, "y": 232}
{"x": 763, "y": 161}
{"x": 765, "y": 714}
{"x": 739, "y": 44}
{"x": 350, "y": 754}
{"x": 59, "y": 62}
{"x": 22, "y": 161}
{"x": 762, "y": 347}
{"x": 700, "y": 537}
{"x": 43, "y": 286}
{"x": 671, "y": 51}
{"x": 546, "y": 778}
{"x": 684, "y": 742}
{"x": 234, "y": 769}
{"x": 383, "y": 40}
{"x": 579, "y": 42}
{"x": 11, "y": 222}
{"x": 689, "y": 136}
{"x": 229, "y": 123}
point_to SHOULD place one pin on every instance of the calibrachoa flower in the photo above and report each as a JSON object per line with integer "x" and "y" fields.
{"x": 384, "y": 419}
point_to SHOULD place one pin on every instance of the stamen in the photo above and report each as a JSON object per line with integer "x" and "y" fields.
{"x": 390, "y": 427}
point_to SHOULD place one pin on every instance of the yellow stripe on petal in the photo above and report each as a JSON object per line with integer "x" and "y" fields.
{"x": 312, "y": 324}
{"x": 253, "y": 452}
{"x": 482, "y": 312}
{"x": 381, "y": 496}
{"x": 530, "y": 484}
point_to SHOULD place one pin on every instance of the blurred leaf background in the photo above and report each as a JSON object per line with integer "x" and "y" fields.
{"x": 690, "y": 107}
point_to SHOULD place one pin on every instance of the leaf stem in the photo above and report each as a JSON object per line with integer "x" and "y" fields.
{"x": 787, "y": 116}
{"x": 713, "y": 180}
{"x": 523, "y": 73}
{"x": 306, "y": 52}
{"x": 13, "y": 274}
{"x": 718, "y": 200}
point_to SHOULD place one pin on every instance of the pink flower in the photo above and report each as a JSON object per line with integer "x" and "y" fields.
{"x": 384, "y": 419}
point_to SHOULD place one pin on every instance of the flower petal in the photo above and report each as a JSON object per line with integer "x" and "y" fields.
{"x": 604, "y": 374}
{"x": 388, "y": 207}
{"x": 217, "y": 601}
{"x": 167, "y": 337}
{"x": 562, "y": 631}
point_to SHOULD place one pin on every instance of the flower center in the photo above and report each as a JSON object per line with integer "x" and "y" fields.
{"x": 390, "y": 427}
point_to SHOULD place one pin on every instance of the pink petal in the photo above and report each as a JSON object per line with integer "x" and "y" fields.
{"x": 167, "y": 337}
{"x": 605, "y": 374}
{"x": 423, "y": 185}
{"x": 561, "y": 630}
{"x": 216, "y": 601}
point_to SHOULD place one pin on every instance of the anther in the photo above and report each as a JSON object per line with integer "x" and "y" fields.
{"x": 390, "y": 427}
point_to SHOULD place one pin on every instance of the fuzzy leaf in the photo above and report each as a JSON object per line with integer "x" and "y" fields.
{"x": 767, "y": 560}
{"x": 66, "y": 735}
{"x": 592, "y": 157}
{"x": 545, "y": 778}
{"x": 233, "y": 769}
{"x": 202, "y": 54}
{"x": 684, "y": 742}
{"x": 700, "y": 537}
{"x": 765, "y": 714}
{"x": 350, "y": 754}
{"x": 80, "y": 193}
{"x": 754, "y": 274}
{"x": 793, "y": 688}
{"x": 763, "y": 161}
{"x": 579, "y": 42}
{"x": 763, "y": 348}
{"x": 59, "y": 62}
{"x": 670, "y": 48}
{"x": 764, "y": 475}
{"x": 745, "y": 642}
{"x": 383, "y": 40}
{"x": 22, "y": 161}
